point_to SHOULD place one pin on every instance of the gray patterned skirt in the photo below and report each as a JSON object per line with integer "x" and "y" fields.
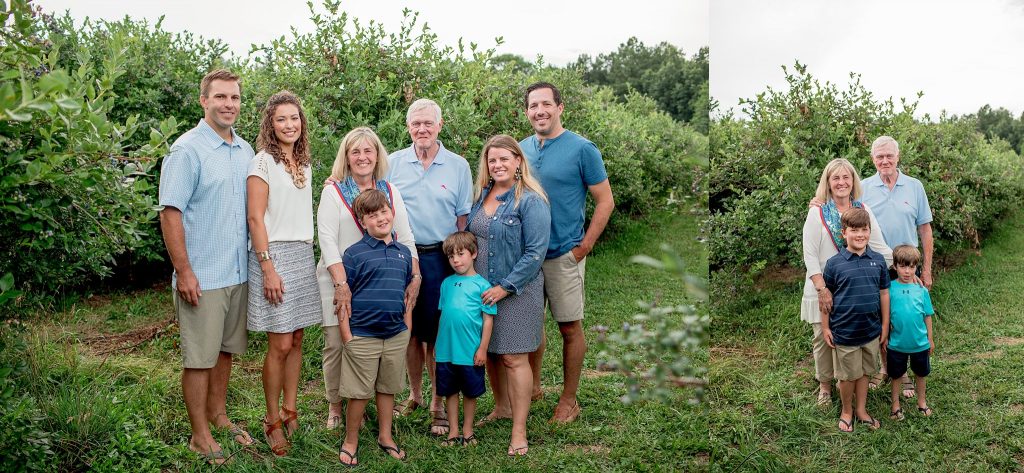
{"x": 293, "y": 261}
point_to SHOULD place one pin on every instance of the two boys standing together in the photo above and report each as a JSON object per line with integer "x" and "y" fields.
{"x": 871, "y": 314}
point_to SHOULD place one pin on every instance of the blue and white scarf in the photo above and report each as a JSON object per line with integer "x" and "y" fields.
{"x": 830, "y": 219}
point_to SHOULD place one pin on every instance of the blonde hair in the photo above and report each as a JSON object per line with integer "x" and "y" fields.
{"x": 824, "y": 192}
{"x": 526, "y": 179}
{"x": 340, "y": 170}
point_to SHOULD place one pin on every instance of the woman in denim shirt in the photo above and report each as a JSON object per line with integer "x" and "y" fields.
{"x": 512, "y": 223}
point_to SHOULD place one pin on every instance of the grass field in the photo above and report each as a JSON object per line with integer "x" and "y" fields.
{"x": 761, "y": 400}
{"x": 105, "y": 375}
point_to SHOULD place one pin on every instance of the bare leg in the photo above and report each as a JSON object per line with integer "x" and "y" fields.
{"x": 452, "y": 404}
{"x": 353, "y": 415}
{"x": 536, "y": 359}
{"x": 385, "y": 406}
{"x": 414, "y": 364}
{"x": 468, "y": 413}
{"x": 861, "y": 390}
{"x": 499, "y": 386}
{"x": 194, "y": 386}
{"x": 846, "y": 392}
{"x": 216, "y": 396}
{"x": 895, "y": 397}
{"x": 436, "y": 403}
{"x": 292, "y": 370}
{"x": 279, "y": 345}
{"x": 920, "y": 390}
{"x": 574, "y": 347}
{"x": 520, "y": 385}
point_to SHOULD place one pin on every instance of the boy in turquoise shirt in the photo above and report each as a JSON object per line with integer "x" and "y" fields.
{"x": 907, "y": 332}
{"x": 462, "y": 336}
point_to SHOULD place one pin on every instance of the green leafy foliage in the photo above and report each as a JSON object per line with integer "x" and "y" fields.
{"x": 87, "y": 111}
{"x": 658, "y": 351}
{"x": 765, "y": 169}
{"x": 73, "y": 193}
{"x": 999, "y": 124}
{"x": 25, "y": 445}
{"x": 678, "y": 84}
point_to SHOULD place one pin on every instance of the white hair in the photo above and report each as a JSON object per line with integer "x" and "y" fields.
{"x": 423, "y": 104}
{"x": 882, "y": 141}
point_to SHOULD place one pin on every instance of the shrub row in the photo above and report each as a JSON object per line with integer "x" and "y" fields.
{"x": 81, "y": 159}
{"x": 766, "y": 168}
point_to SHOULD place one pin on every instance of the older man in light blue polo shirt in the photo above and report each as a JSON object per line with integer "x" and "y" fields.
{"x": 899, "y": 203}
{"x": 202, "y": 192}
{"x": 437, "y": 187}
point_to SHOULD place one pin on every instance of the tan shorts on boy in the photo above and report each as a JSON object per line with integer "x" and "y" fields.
{"x": 216, "y": 325}
{"x": 853, "y": 363}
{"x": 563, "y": 287}
{"x": 373, "y": 365}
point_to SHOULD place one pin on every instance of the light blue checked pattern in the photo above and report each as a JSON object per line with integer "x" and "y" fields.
{"x": 434, "y": 198}
{"x": 204, "y": 177}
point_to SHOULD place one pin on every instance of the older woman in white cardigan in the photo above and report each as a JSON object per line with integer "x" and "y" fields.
{"x": 839, "y": 189}
{"x": 361, "y": 164}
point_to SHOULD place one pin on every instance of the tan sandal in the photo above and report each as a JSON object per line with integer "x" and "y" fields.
{"x": 280, "y": 448}
{"x": 287, "y": 417}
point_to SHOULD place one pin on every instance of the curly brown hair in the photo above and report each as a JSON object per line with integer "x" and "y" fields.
{"x": 267, "y": 139}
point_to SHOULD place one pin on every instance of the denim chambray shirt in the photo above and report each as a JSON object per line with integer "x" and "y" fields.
{"x": 517, "y": 238}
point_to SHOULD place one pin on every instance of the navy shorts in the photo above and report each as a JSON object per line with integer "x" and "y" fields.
{"x": 425, "y": 314}
{"x": 896, "y": 363}
{"x": 452, "y": 379}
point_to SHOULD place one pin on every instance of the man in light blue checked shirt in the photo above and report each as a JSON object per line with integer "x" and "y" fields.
{"x": 202, "y": 192}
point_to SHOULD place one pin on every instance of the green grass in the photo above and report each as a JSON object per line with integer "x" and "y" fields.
{"x": 761, "y": 398}
{"x": 128, "y": 405}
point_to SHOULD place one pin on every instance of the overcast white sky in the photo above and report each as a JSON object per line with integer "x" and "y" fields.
{"x": 961, "y": 54}
{"x": 560, "y": 30}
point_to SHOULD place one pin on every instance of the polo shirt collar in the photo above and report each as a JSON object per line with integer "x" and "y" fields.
{"x": 901, "y": 179}
{"x": 438, "y": 159}
{"x": 849, "y": 255}
{"x": 374, "y": 242}
{"x": 213, "y": 138}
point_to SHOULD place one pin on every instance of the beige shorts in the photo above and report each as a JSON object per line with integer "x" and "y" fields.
{"x": 373, "y": 365}
{"x": 563, "y": 287}
{"x": 216, "y": 325}
{"x": 852, "y": 363}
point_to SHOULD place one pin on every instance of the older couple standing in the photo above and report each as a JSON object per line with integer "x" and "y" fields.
{"x": 204, "y": 194}
{"x": 899, "y": 211}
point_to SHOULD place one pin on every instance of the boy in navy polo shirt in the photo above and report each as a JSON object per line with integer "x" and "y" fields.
{"x": 859, "y": 281}
{"x": 911, "y": 329}
{"x": 378, "y": 269}
{"x": 463, "y": 336}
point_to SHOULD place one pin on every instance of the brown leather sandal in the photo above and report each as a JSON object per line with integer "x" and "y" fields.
{"x": 287, "y": 417}
{"x": 281, "y": 448}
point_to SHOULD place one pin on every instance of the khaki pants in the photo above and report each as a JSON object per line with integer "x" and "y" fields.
{"x": 333, "y": 350}
{"x": 823, "y": 370}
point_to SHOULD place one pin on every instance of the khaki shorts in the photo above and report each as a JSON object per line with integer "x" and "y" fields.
{"x": 373, "y": 365}
{"x": 216, "y": 325}
{"x": 852, "y": 363}
{"x": 563, "y": 287}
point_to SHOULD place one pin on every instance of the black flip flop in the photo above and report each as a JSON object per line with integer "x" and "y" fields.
{"x": 871, "y": 422}
{"x": 351, "y": 457}
{"x": 848, "y": 423}
{"x": 398, "y": 451}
